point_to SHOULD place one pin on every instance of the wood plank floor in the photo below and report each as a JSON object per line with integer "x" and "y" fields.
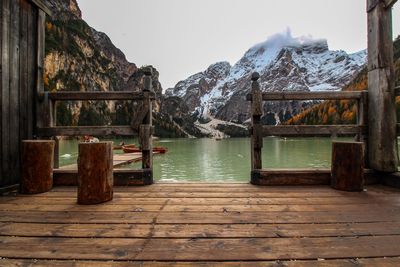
{"x": 118, "y": 160}
{"x": 203, "y": 225}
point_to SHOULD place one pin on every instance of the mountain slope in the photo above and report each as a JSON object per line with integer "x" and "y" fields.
{"x": 344, "y": 111}
{"x": 284, "y": 62}
{"x": 79, "y": 58}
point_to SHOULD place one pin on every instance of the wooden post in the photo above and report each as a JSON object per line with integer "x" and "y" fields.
{"x": 37, "y": 166}
{"x": 362, "y": 111}
{"x": 41, "y": 112}
{"x": 347, "y": 166}
{"x": 256, "y": 113}
{"x": 145, "y": 130}
{"x": 95, "y": 172}
{"x": 56, "y": 152}
{"x": 382, "y": 139}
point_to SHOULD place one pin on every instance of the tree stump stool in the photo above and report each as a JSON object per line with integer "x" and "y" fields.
{"x": 347, "y": 166}
{"x": 37, "y": 166}
{"x": 95, "y": 172}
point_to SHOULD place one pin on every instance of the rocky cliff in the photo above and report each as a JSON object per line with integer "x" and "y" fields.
{"x": 79, "y": 58}
{"x": 285, "y": 64}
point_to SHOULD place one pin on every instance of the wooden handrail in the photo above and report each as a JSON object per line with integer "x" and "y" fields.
{"x": 322, "y": 95}
{"x": 312, "y": 130}
{"x": 123, "y": 95}
{"x": 87, "y": 130}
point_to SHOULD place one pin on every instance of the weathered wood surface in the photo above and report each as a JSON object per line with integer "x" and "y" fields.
{"x": 312, "y": 130}
{"x": 145, "y": 129}
{"x": 244, "y": 223}
{"x": 19, "y": 60}
{"x": 286, "y": 96}
{"x": 256, "y": 130}
{"x": 95, "y": 172}
{"x": 118, "y": 160}
{"x": 114, "y": 95}
{"x": 87, "y": 130}
{"x": 382, "y": 262}
{"x": 122, "y": 177}
{"x": 382, "y": 140}
{"x": 5, "y": 88}
{"x": 347, "y": 166}
{"x": 41, "y": 4}
{"x": 37, "y": 166}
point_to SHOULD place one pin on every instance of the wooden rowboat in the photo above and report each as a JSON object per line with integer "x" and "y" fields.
{"x": 134, "y": 149}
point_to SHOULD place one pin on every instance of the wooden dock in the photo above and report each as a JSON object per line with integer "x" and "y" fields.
{"x": 119, "y": 160}
{"x": 203, "y": 225}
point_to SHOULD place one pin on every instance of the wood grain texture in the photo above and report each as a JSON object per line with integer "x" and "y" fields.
{"x": 287, "y": 96}
{"x": 312, "y": 130}
{"x": 382, "y": 262}
{"x": 382, "y": 139}
{"x": 87, "y": 130}
{"x": 85, "y": 96}
{"x": 37, "y": 166}
{"x": 185, "y": 225}
{"x": 95, "y": 172}
{"x": 347, "y": 166}
{"x": 5, "y": 92}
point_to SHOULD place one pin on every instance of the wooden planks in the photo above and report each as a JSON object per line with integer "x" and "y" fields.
{"x": 312, "y": 130}
{"x": 383, "y": 262}
{"x": 87, "y": 130}
{"x": 5, "y": 92}
{"x": 204, "y": 224}
{"x": 18, "y": 81}
{"x": 112, "y": 95}
{"x": 188, "y": 249}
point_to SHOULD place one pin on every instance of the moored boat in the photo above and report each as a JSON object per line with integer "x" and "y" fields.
{"x": 134, "y": 149}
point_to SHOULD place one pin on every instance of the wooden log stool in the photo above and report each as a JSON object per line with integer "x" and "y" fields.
{"x": 95, "y": 172}
{"x": 347, "y": 166}
{"x": 37, "y": 166}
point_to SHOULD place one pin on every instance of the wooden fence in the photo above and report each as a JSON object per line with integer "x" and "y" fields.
{"x": 141, "y": 126}
{"x": 259, "y": 131}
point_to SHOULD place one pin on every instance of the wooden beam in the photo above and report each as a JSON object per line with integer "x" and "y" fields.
{"x": 382, "y": 139}
{"x": 8, "y": 189}
{"x": 312, "y": 130}
{"x": 300, "y": 177}
{"x": 85, "y": 96}
{"x": 330, "y": 95}
{"x": 87, "y": 130}
{"x": 391, "y": 179}
{"x": 40, "y": 4}
{"x": 256, "y": 130}
{"x": 390, "y": 3}
{"x": 122, "y": 177}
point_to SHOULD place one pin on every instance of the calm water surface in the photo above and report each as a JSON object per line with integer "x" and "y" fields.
{"x": 228, "y": 160}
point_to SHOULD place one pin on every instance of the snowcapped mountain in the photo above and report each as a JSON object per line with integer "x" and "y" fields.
{"x": 285, "y": 63}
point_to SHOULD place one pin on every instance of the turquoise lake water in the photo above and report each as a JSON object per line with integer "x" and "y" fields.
{"x": 228, "y": 160}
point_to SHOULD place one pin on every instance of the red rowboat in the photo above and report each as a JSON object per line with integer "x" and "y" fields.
{"x": 135, "y": 149}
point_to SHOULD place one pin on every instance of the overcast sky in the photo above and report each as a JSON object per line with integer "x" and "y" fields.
{"x": 183, "y": 37}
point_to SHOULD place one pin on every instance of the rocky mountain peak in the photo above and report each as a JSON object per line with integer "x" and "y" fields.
{"x": 64, "y": 9}
{"x": 285, "y": 63}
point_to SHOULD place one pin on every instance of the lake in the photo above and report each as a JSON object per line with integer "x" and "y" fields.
{"x": 228, "y": 160}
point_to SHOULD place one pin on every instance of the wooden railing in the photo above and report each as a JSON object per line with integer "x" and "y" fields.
{"x": 259, "y": 131}
{"x": 141, "y": 126}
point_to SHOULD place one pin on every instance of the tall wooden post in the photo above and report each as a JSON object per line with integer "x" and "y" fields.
{"x": 146, "y": 129}
{"x": 362, "y": 112}
{"x": 256, "y": 132}
{"x": 382, "y": 141}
